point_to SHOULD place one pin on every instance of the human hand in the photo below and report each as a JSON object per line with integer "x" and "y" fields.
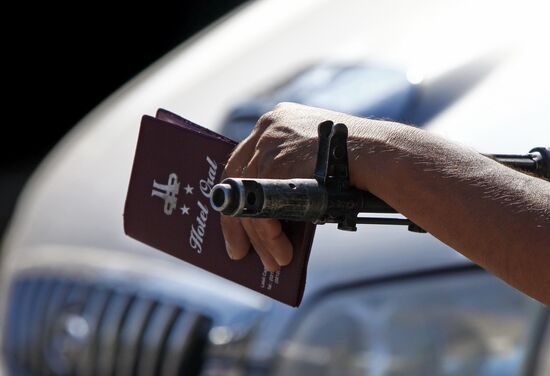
{"x": 282, "y": 145}
{"x": 421, "y": 175}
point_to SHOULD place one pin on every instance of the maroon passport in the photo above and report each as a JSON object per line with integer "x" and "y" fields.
{"x": 168, "y": 207}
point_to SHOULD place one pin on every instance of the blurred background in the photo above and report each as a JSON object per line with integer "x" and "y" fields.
{"x": 63, "y": 60}
{"x": 79, "y": 297}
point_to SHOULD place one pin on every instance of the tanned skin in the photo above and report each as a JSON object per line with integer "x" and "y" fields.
{"x": 497, "y": 217}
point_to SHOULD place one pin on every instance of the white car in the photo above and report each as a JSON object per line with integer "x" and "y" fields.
{"x": 79, "y": 297}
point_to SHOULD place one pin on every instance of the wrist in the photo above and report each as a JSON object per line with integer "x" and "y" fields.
{"x": 377, "y": 151}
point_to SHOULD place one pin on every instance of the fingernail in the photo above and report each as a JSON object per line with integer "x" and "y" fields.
{"x": 228, "y": 249}
{"x": 271, "y": 270}
{"x": 279, "y": 264}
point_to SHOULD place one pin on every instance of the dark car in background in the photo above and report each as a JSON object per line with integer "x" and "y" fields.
{"x": 79, "y": 297}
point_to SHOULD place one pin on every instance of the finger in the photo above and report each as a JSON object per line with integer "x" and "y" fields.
{"x": 267, "y": 259}
{"x": 237, "y": 243}
{"x": 269, "y": 231}
{"x": 245, "y": 150}
{"x": 248, "y": 225}
{"x": 274, "y": 240}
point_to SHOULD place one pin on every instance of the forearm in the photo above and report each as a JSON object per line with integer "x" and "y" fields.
{"x": 497, "y": 217}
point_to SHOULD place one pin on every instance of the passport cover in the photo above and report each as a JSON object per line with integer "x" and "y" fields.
{"x": 167, "y": 207}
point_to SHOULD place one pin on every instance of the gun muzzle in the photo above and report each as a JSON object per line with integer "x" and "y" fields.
{"x": 290, "y": 199}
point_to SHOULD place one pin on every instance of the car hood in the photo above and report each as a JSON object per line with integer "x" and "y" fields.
{"x": 71, "y": 211}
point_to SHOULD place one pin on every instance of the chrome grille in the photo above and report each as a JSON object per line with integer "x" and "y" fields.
{"x": 73, "y": 327}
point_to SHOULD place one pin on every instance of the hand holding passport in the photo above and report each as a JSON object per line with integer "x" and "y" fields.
{"x": 168, "y": 207}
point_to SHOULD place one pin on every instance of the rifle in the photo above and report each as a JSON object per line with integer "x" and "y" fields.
{"x": 328, "y": 197}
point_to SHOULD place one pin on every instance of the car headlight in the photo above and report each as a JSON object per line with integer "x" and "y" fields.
{"x": 467, "y": 323}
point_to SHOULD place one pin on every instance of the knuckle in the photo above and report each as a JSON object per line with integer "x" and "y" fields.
{"x": 262, "y": 233}
{"x": 234, "y": 167}
{"x": 265, "y": 121}
{"x": 266, "y": 162}
{"x": 266, "y": 230}
{"x": 231, "y": 166}
{"x": 266, "y": 142}
{"x": 282, "y": 106}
